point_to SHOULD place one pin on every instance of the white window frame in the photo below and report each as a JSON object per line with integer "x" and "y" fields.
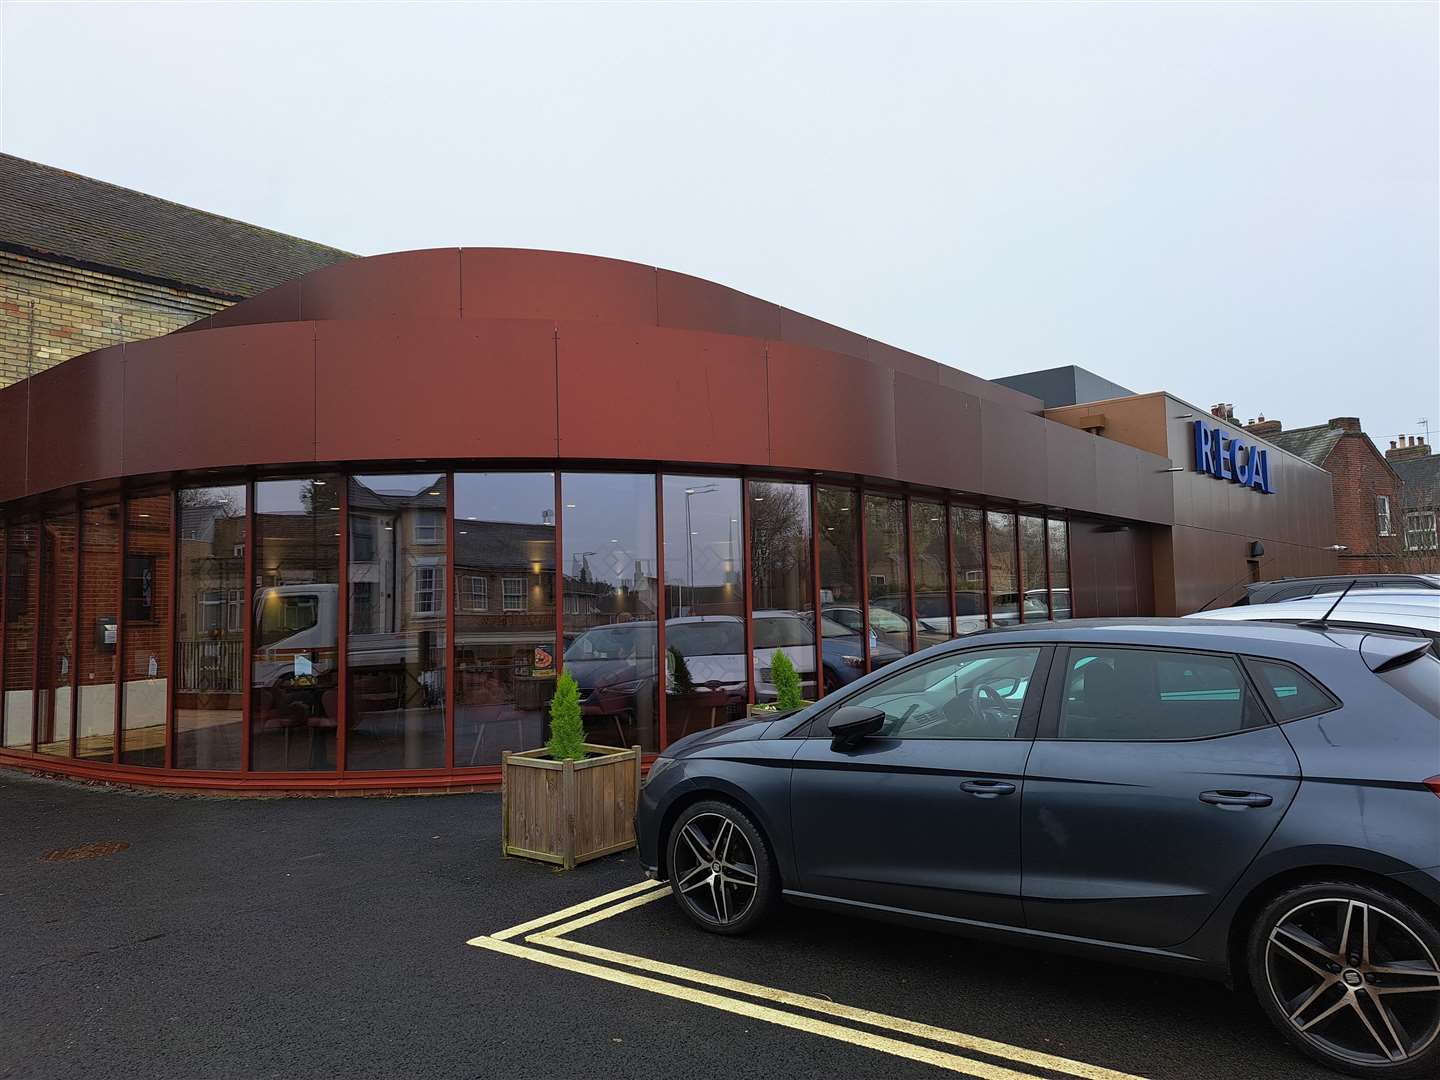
{"x": 1382, "y": 515}
{"x": 429, "y": 526}
{"x": 479, "y": 589}
{"x": 521, "y": 604}
{"x": 435, "y": 590}
{"x": 1420, "y": 531}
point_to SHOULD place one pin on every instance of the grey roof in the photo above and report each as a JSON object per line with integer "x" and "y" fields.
{"x": 51, "y": 213}
{"x": 1067, "y": 385}
{"x": 1421, "y": 480}
{"x": 1311, "y": 443}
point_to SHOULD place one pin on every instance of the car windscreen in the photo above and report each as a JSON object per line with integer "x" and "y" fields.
{"x": 613, "y": 643}
{"x": 283, "y": 616}
{"x": 773, "y": 632}
{"x": 706, "y": 639}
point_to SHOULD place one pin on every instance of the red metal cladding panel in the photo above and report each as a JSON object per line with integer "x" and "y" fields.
{"x": 280, "y": 304}
{"x": 504, "y": 283}
{"x": 14, "y": 428}
{"x": 937, "y": 434}
{"x": 798, "y": 329}
{"x": 668, "y": 395}
{"x": 435, "y": 388}
{"x": 831, "y": 412}
{"x": 405, "y": 285}
{"x": 1070, "y": 467}
{"x": 220, "y": 398}
{"x": 1117, "y": 478}
{"x": 912, "y": 364}
{"x": 691, "y": 303}
{"x": 989, "y": 391}
{"x": 86, "y": 389}
{"x": 1012, "y": 454}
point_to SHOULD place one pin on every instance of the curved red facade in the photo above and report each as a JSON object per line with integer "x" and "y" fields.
{"x": 437, "y": 367}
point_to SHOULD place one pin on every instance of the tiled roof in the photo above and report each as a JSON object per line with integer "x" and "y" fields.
{"x": 1421, "y": 477}
{"x": 49, "y": 212}
{"x": 1311, "y": 443}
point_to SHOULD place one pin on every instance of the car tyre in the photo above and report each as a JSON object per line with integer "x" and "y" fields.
{"x": 721, "y": 869}
{"x": 1349, "y": 975}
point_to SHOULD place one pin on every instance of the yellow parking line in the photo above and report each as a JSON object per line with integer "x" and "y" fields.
{"x": 575, "y": 909}
{"x": 740, "y": 1007}
{"x": 607, "y": 913}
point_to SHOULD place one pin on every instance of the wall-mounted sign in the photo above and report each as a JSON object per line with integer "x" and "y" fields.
{"x": 1229, "y": 457}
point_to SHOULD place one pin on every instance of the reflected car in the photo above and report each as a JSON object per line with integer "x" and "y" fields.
{"x": 613, "y": 666}
{"x": 1049, "y": 785}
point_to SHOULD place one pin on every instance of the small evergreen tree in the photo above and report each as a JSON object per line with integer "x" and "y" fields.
{"x": 681, "y": 681}
{"x": 787, "y": 682}
{"x": 567, "y": 730}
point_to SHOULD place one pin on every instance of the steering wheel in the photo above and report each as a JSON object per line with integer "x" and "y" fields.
{"x": 990, "y": 705}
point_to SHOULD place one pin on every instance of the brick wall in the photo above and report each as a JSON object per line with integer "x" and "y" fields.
{"x": 50, "y": 312}
{"x": 1360, "y": 476}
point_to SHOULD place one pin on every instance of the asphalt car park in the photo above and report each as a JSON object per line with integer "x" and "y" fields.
{"x": 318, "y": 937}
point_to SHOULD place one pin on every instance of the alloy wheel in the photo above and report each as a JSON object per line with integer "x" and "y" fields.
{"x": 715, "y": 873}
{"x": 1354, "y": 981}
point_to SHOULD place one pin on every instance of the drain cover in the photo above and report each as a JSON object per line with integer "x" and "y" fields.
{"x": 85, "y": 851}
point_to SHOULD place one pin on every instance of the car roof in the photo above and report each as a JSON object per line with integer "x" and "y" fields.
{"x": 1280, "y": 640}
{"x": 1389, "y": 607}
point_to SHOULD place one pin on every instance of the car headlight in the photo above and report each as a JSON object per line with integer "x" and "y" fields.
{"x": 659, "y": 765}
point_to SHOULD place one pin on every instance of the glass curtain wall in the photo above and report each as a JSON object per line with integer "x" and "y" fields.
{"x": 1004, "y": 576}
{"x": 967, "y": 541}
{"x": 932, "y": 588}
{"x": 1032, "y": 569}
{"x": 397, "y": 647}
{"x": 707, "y": 679}
{"x": 145, "y": 667}
{"x": 22, "y": 574}
{"x": 210, "y": 619}
{"x": 294, "y": 675}
{"x": 611, "y": 604}
{"x": 57, "y": 634}
{"x": 504, "y": 595}
{"x": 98, "y": 630}
{"x": 1059, "y": 540}
{"x": 888, "y": 575}
{"x": 781, "y": 583}
{"x": 842, "y": 620}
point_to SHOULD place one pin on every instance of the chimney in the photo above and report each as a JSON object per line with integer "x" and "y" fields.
{"x": 1410, "y": 447}
{"x": 1346, "y": 423}
{"x": 1264, "y": 428}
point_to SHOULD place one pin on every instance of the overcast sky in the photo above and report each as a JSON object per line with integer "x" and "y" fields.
{"x": 1235, "y": 203}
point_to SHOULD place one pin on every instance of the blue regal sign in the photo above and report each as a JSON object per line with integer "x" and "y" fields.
{"x": 1229, "y": 457}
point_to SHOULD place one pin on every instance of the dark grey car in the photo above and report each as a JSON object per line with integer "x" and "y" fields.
{"x": 1256, "y": 803}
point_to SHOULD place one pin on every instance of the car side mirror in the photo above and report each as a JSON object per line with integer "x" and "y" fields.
{"x": 850, "y": 725}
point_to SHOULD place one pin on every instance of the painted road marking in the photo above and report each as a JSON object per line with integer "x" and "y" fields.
{"x": 544, "y": 946}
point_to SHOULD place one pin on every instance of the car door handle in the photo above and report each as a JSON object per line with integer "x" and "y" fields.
{"x": 1235, "y": 800}
{"x": 988, "y": 789}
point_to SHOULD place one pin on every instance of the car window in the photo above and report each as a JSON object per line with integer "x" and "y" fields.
{"x": 1136, "y": 695}
{"x": 706, "y": 639}
{"x": 977, "y": 694}
{"x": 1418, "y": 680}
{"x": 1289, "y": 692}
{"x": 773, "y": 632}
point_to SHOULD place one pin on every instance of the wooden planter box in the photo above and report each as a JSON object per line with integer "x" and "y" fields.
{"x": 769, "y": 712}
{"x": 566, "y": 812}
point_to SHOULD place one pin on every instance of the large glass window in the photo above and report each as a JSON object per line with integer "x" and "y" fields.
{"x": 1032, "y": 569}
{"x": 1142, "y": 695}
{"x": 781, "y": 583}
{"x": 888, "y": 573}
{"x": 57, "y": 634}
{"x": 504, "y": 613}
{"x": 932, "y": 589}
{"x": 967, "y": 540}
{"x": 210, "y": 614}
{"x": 842, "y": 618}
{"x": 22, "y": 574}
{"x": 145, "y": 669}
{"x": 294, "y": 676}
{"x": 1057, "y": 535}
{"x": 1004, "y": 580}
{"x": 707, "y": 678}
{"x": 397, "y": 648}
{"x": 611, "y": 604}
{"x": 99, "y": 627}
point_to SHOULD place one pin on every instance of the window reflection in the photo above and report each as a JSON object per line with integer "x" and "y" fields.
{"x": 99, "y": 617}
{"x": 611, "y": 604}
{"x": 1032, "y": 567}
{"x": 781, "y": 583}
{"x": 1004, "y": 581}
{"x": 706, "y": 674}
{"x": 842, "y": 625}
{"x": 21, "y": 578}
{"x": 1058, "y": 538}
{"x": 210, "y": 617}
{"x": 504, "y": 613}
{"x": 145, "y": 669}
{"x": 932, "y": 591}
{"x": 57, "y": 634}
{"x": 967, "y": 539}
{"x": 888, "y": 572}
{"x": 295, "y": 698}
{"x": 397, "y": 650}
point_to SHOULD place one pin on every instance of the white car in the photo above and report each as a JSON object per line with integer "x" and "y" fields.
{"x": 1415, "y": 612}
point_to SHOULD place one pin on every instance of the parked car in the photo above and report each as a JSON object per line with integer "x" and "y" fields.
{"x": 1295, "y": 588}
{"x": 1252, "y": 802}
{"x": 1396, "y": 611}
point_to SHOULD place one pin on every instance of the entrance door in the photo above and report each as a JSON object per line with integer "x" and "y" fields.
{"x": 925, "y": 815}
